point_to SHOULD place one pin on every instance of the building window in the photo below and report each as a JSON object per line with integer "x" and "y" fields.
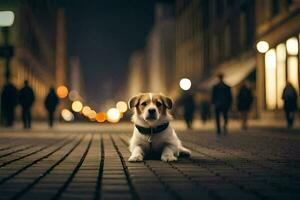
{"x": 281, "y": 65}
{"x": 243, "y": 30}
{"x": 275, "y": 7}
{"x": 227, "y": 41}
{"x": 205, "y": 17}
{"x": 219, "y": 8}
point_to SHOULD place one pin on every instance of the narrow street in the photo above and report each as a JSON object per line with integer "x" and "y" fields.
{"x": 81, "y": 164}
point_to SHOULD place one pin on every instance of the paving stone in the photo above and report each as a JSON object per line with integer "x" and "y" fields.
{"x": 253, "y": 166}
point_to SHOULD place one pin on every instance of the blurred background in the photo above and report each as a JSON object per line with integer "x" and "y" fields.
{"x": 98, "y": 54}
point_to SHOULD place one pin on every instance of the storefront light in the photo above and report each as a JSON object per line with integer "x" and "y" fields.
{"x": 281, "y": 72}
{"x": 262, "y": 46}
{"x": 270, "y": 76}
{"x": 292, "y": 46}
{"x": 293, "y": 71}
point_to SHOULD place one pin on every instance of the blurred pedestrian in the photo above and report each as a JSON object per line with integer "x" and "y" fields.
{"x": 51, "y": 102}
{"x": 188, "y": 103}
{"x": 289, "y": 97}
{"x": 26, "y": 100}
{"x": 9, "y": 101}
{"x": 222, "y": 100}
{"x": 204, "y": 111}
{"x": 244, "y": 102}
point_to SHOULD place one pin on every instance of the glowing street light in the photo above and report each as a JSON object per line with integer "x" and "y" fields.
{"x": 262, "y": 46}
{"x": 185, "y": 84}
{"x": 113, "y": 115}
{"x": 62, "y": 91}
{"x": 122, "y": 106}
{"x": 6, "y": 18}
{"x": 67, "y": 115}
{"x": 76, "y": 106}
{"x": 7, "y": 50}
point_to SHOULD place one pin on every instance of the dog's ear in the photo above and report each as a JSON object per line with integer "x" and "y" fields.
{"x": 133, "y": 102}
{"x": 167, "y": 101}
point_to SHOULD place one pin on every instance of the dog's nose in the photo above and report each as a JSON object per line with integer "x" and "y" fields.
{"x": 151, "y": 111}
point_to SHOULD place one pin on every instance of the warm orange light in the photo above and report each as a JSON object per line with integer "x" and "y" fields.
{"x": 62, "y": 91}
{"x": 85, "y": 110}
{"x": 92, "y": 115}
{"x": 101, "y": 117}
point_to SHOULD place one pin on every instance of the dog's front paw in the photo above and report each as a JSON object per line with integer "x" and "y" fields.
{"x": 168, "y": 157}
{"x": 136, "y": 158}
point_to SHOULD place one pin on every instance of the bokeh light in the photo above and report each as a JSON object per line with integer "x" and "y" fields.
{"x": 74, "y": 95}
{"x": 86, "y": 110}
{"x": 262, "y": 46}
{"x": 62, "y": 91}
{"x": 76, "y": 106}
{"x": 185, "y": 84}
{"x": 67, "y": 115}
{"x": 113, "y": 115}
{"x": 122, "y": 106}
{"x": 92, "y": 115}
{"x": 101, "y": 117}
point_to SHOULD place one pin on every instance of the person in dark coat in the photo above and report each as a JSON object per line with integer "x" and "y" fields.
{"x": 9, "y": 101}
{"x": 26, "y": 100}
{"x": 188, "y": 103}
{"x": 289, "y": 97}
{"x": 222, "y": 100}
{"x": 51, "y": 102}
{"x": 204, "y": 111}
{"x": 244, "y": 102}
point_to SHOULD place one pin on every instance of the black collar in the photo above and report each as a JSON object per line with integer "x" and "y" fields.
{"x": 152, "y": 130}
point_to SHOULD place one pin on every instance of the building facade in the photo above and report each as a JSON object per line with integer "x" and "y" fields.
{"x": 160, "y": 50}
{"x": 277, "y": 24}
{"x": 220, "y": 36}
{"x": 34, "y": 35}
{"x": 214, "y": 36}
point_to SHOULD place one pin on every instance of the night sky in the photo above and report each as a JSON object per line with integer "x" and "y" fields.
{"x": 103, "y": 34}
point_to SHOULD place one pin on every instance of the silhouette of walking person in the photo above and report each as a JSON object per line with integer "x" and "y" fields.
{"x": 188, "y": 103}
{"x": 204, "y": 111}
{"x": 222, "y": 100}
{"x": 289, "y": 97}
{"x": 51, "y": 102}
{"x": 9, "y": 101}
{"x": 244, "y": 102}
{"x": 26, "y": 100}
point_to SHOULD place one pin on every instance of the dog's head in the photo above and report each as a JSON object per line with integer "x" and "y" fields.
{"x": 151, "y": 108}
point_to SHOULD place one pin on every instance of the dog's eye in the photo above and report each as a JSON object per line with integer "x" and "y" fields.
{"x": 158, "y": 104}
{"x": 144, "y": 104}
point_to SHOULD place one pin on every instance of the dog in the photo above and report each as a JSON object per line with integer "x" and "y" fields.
{"x": 152, "y": 131}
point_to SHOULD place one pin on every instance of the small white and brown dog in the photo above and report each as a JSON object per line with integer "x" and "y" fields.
{"x": 152, "y": 131}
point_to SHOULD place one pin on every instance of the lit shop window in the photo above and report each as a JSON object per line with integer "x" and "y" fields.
{"x": 292, "y": 48}
{"x": 281, "y": 72}
{"x": 281, "y": 65}
{"x": 270, "y": 77}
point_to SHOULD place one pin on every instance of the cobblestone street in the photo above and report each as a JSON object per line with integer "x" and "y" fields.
{"x": 93, "y": 165}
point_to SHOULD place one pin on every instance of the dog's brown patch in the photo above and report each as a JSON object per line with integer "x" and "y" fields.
{"x": 143, "y": 100}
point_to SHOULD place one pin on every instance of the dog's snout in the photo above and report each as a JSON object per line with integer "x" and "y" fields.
{"x": 152, "y": 111}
